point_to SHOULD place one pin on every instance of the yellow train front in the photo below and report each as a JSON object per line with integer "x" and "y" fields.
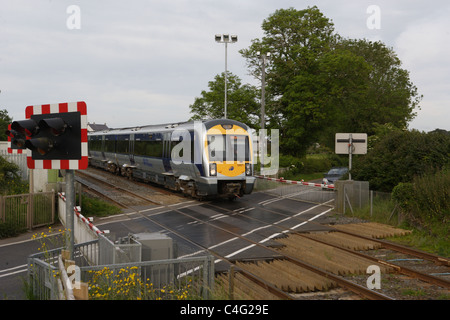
{"x": 203, "y": 159}
{"x": 228, "y": 157}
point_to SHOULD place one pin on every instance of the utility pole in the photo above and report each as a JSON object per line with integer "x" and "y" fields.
{"x": 263, "y": 57}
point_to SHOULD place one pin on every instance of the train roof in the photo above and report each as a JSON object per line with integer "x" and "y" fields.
{"x": 167, "y": 127}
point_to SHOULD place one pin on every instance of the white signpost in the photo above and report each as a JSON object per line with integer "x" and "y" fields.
{"x": 351, "y": 143}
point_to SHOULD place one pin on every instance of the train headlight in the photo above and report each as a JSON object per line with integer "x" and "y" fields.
{"x": 213, "y": 169}
{"x": 248, "y": 169}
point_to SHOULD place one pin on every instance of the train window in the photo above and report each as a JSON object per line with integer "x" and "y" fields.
{"x": 239, "y": 147}
{"x": 216, "y": 147}
{"x": 154, "y": 148}
{"x": 95, "y": 143}
{"x": 228, "y": 148}
{"x": 110, "y": 144}
{"x": 143, "y": 146}
{"x": 123, "y": 143}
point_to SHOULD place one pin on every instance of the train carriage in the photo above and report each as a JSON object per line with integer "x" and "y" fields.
{"x": 211, "y": 158}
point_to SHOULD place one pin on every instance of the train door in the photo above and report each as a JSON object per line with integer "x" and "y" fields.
{"x": 131, "y": 149}
{"x": 166, "y": 152}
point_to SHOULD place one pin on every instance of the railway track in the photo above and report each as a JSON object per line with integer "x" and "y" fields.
{"x": 341, "y": 252}
{"x": 120, "y": 196}
{"x": 292, "y": 270}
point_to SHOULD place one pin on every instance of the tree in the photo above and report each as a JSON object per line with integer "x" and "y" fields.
{"x": 5, "y": 119}
{"x": 387, "y": 94}
{"x": 296, "y": 40}
{"x": 242, "y": 101}
{"x": 320, "y": 83}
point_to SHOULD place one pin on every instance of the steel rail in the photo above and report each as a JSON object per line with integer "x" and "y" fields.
{"x": 93, "y": 190}
{"x": 396, "y": 247}
{"x": 400, "y": 269}
{"x": 115, "y": 187}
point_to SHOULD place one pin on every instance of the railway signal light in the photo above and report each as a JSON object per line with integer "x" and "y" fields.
{"x": 50, "y": 128}
{"x": 16, "y": 140}
{"x": 53, "y": 132}
{"x": 51, "y": 136}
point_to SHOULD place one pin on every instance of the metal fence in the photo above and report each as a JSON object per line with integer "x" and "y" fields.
{"x": 351, "y": 195}
{"x": 27, "y": 211}
{"x": 43, "y": 267}
{"x": 163, "y": 279}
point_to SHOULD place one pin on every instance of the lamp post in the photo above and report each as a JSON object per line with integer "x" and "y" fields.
{"x": 263, "y": 57}
{"x": 225, "y": 38}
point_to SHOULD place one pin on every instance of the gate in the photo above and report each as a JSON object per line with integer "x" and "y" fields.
{"x": 28, "y": 211}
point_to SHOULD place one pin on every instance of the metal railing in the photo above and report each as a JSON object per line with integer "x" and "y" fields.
{"x": 29, "y": 210}
{"x": 193, "y": 274}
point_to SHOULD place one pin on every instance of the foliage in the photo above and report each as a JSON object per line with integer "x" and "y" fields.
{"x": 421, "y": 205}
{"x": 5, "y": 119}
{"x": 319, "y": 83}
{"x": 399, "y": 156}
{"x": 10, "y": 181}
{"x": 127, "y": 284}
{"x": 50, "y": 240}
{"x": 97, "y": 207}
{"x": 242, "y": 101}
{"x": 9, "y": 230}
{"x": 426, "y": 199}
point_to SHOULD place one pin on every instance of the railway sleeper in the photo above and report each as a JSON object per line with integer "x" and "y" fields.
{"x": 260, "y": 269}
{"x": 289, "y": 277}
{"x": 371, "y": 229}
{"x": 285, "y": 280}
{"x": 303, "y": 279}
{"x": 319, "y": 257}
{"x": 291, "y": 282}
{"x": 344, "y": 240}
{"x": 311, "y": 280}
{"x": 252, "y": 289}
{"x": 329, "y": 258}
{"x": 243, "y": 288}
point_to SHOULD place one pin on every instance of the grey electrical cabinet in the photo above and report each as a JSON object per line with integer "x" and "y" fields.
{"x": 156, "y": 247}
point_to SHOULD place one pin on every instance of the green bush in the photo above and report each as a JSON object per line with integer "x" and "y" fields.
{"x": 403, "y": 193}
{"x": 400, "y": 156}
{"x": 10, "y": 181}
{"x": 9, "y": 230}
{"x": 426, "y": 199}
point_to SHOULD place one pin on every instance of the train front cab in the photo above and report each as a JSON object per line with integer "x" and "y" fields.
{"x": 228, "y": 158}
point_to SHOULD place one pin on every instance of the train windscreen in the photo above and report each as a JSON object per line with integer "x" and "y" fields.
{"x": 229, "y": 147}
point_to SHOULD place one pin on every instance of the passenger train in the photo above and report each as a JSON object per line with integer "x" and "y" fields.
{"x": 203, "y": 159}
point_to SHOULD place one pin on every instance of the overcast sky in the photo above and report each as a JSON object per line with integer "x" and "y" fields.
{"x": 140, "y": 62}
